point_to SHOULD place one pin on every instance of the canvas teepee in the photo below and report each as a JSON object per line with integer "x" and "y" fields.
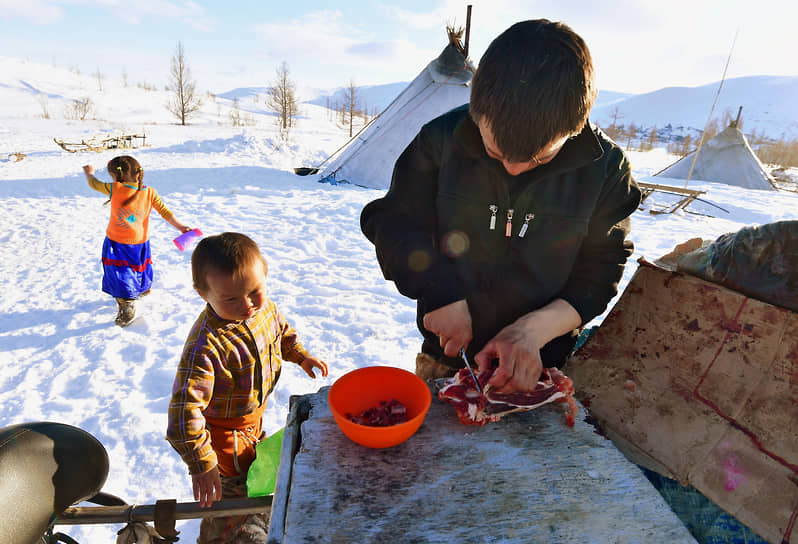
{"x": 368, "y": 158}
{"x": 726, "y": 158}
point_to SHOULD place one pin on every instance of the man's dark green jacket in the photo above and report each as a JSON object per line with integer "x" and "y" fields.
{"x": 455, "y": 225}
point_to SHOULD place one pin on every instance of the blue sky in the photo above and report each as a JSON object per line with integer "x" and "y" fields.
{"x": 637, "y": 45}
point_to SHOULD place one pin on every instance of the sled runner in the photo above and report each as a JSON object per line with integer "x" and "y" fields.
{"x": 46, "y": 468}
{"x": 97, "y": 143}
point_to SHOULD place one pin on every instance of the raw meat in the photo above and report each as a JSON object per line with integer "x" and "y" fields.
{"x": 386, "y": 414}
{"x": 475, "y": 408}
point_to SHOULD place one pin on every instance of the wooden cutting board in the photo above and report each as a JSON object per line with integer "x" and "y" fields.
{"x": 527, "y": 478}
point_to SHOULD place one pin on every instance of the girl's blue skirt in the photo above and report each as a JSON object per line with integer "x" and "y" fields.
{"x": 127, "y": 269}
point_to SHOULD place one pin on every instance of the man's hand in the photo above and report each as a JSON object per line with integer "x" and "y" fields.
{"x": 518, "y": 353}
{"x": 207, "y": 487}
{"x": 452, "y": 324}
{"x": 517, "y": 346}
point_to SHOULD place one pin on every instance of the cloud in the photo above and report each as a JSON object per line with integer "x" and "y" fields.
{"x": 189, "y": 12}
{"x": 40, "y": 13}
{"x": 329, "y": 46}
{"x": 374, "y": 50}
{"x": 428, "y": 20}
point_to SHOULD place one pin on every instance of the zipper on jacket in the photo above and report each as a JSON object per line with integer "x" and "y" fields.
{"x": 527, "y": 218}
{"x": 508, "y": 228}
{"x": 493, "y": 209}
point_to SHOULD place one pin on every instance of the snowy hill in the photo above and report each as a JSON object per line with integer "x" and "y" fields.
{"x": 369, "y": 96}
{"x": 769, "y": 106}
{"x": 768, "y": 102}
{"x": 607, "y": 98}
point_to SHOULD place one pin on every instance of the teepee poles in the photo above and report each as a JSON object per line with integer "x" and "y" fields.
{"x": 712, "y": 109}
{"x": 467, "y": 32}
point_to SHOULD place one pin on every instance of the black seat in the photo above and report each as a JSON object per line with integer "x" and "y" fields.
{"x": 45, "y": 468}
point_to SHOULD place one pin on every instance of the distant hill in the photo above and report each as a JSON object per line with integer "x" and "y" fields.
{"x": 607, "y": 98}
{"x": 243, "y": 92}
{"x": 769, "y": 106}
{"x": 371, "y": 96}
{"x": 769, "y": 102}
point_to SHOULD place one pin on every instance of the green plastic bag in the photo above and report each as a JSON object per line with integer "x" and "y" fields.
{"x": 262, "y": 473}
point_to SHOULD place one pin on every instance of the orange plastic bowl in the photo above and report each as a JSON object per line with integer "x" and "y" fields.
{"x": 365, "y": 388}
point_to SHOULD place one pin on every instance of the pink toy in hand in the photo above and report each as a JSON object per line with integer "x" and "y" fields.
{"x": 185, "y": 240}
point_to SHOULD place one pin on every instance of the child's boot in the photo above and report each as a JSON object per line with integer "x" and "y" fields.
{"x": 126, "y": 313}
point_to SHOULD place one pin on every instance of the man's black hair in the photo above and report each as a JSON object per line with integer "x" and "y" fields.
{"x": 534, "y": 84}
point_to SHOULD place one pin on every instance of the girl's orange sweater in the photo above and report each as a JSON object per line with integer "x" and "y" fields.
{"x": 130, "y": 210}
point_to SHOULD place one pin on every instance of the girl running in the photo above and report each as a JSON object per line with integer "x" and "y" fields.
{"x": 127, "y": 261}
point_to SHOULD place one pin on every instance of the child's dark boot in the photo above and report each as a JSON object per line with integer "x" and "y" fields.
{"x": 127, "y": 311}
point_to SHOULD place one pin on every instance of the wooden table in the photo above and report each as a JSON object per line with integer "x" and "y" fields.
{"x": 527, "y": 478}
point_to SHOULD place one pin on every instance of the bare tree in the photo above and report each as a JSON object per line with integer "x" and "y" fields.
{"x": 711, "y": 129}
{"x": 613, "y": 131}
{"x": 44, "y": 103}
{"x": 281, "y": 99}
{"x": 652, "y": 140}
{"x": 99, "y": 75}
{"x": 682, "y": 147}
{"x": 235, "y": 115}
{"x": 80, "y": 109}
{"x": 350, "y": 103}
{"x": 184, "y": 102}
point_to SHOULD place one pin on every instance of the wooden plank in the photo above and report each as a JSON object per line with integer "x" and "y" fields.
{"x": 86, "y": 515}
{"x": 669, "y": 188}
{"x": 527, "y": 478}
{"x": 298, "y": 411}
{"x": 687, "y": 196}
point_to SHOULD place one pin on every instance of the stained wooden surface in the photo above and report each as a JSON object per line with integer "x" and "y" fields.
{"x": 528, "y": 478}
{"x": 700, "y": 383}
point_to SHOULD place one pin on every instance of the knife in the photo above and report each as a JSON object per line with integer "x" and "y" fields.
{"x": 468, "y": 366}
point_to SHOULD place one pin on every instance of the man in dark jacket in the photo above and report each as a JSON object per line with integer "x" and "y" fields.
{"x": 507, "y": 218}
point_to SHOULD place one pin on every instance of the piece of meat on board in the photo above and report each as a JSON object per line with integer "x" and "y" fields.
{"x": 475, "y": 408}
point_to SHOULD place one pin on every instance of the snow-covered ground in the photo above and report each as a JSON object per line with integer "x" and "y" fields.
{"x": 62, "y": 358}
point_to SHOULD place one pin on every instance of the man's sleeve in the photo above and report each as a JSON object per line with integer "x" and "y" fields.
{"x": 403, "y": 227}
{"x": 601, "y": 261}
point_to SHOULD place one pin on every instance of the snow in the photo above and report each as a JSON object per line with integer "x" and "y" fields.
{"x": 768, "y": 106}
{"x": 63, "y": 359}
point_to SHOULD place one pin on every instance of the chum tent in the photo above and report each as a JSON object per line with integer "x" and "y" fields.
{"x": 726, "y": 158}
{"x": 368, "y": 159}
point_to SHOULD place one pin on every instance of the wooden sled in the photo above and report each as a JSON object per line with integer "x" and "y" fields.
{"x": 685, "y": 196}
{"x": 97, "y": 144}
{"x": 700, "y": 383}
{"x": 46, "y": 468}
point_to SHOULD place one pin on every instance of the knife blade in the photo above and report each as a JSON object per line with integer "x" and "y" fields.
{"x": 468, "y": 366}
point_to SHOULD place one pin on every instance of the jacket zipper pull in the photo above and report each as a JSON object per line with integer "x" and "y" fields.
{"x": 508, "y": 228}
{"x": 527, "y": 218}
{"x": 493, "y": 209}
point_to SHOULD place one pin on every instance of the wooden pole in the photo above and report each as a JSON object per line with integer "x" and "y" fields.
{"x": 468, "y": 30}
{"x": 146, "y": 512}
{"x": 709, "y": 119}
